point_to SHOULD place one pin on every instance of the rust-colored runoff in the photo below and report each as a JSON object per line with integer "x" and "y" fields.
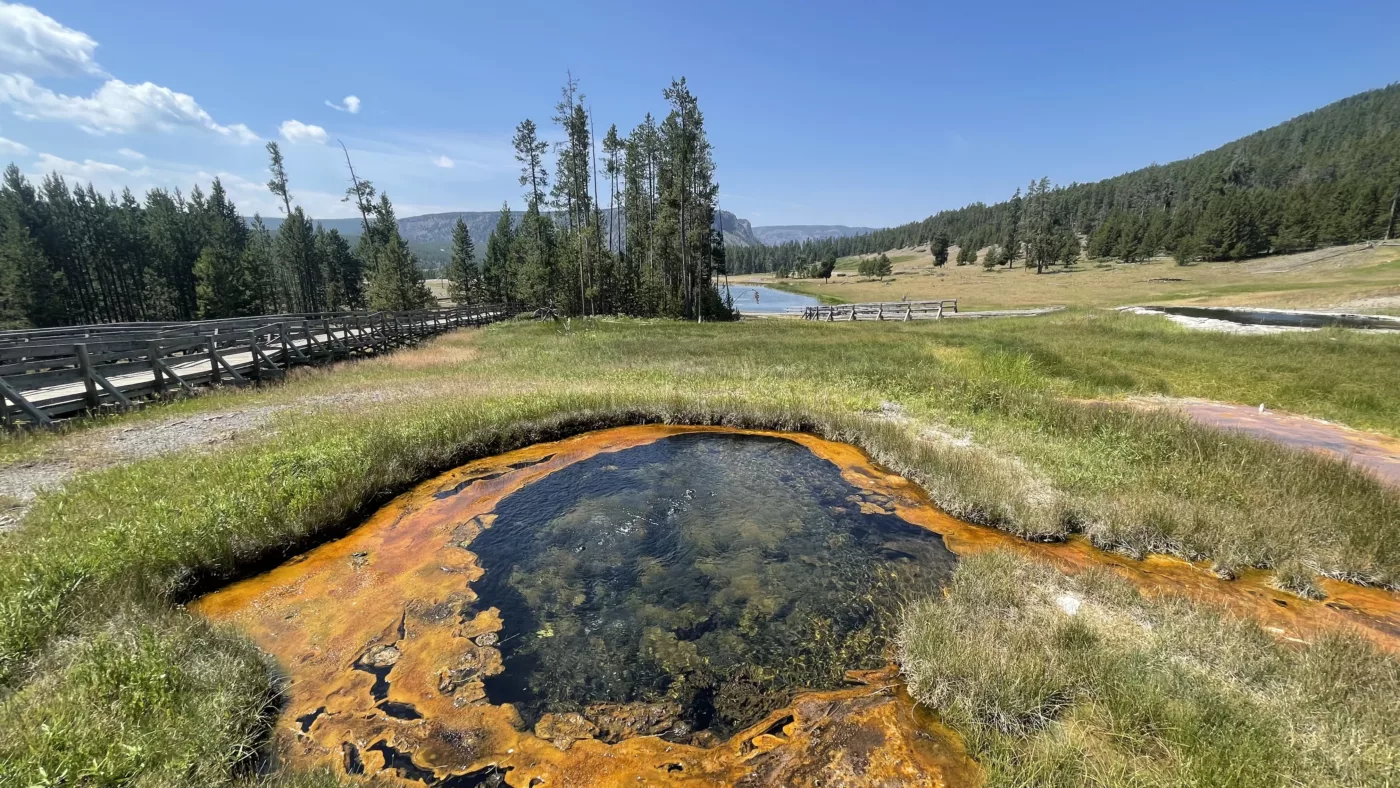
{"x": 386, "y": 670}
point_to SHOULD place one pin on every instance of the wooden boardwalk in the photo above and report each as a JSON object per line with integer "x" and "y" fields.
{"x": 50, "y": 373}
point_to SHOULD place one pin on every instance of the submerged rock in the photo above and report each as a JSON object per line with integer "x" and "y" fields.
{"x": 618, "y": 721}
{"x": 565, "y": 729}
{"x": 381, "y": 656}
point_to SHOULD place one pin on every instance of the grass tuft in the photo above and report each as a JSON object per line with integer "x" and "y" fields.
{"x": 1081, "y": 681}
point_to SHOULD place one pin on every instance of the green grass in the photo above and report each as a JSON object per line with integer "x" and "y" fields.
{"x": 89, "y": 583}
{"x": 1130, "y": 691}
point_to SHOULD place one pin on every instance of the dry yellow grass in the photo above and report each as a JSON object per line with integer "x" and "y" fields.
{"x": 1354, "y": 277}
{"x": 435, "y": 356}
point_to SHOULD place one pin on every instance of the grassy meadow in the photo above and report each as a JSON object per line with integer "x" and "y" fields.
{"x": 1354, "y": 278}
{"x": 106, "y": 681}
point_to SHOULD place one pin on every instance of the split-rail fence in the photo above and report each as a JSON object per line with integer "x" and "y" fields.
{"x": 891, "y": 310}
{"x": 50, "y": 373}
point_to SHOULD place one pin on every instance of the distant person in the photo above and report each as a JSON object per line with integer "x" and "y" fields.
{"x": 755, "y": 296}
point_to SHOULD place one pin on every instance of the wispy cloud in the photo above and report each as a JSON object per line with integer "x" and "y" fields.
{"x": 294, "y": 131}
{"x": 350, "y": 104}
{"x": 84, "y": 170}
{"x": 444, "y": 162}
{"x": 116, "y": 108}
{"x": 131, "y": 154}
{"x": 32, "y": 41}
{"x": 472, "y": 156}
{"x": 10, "y": 146}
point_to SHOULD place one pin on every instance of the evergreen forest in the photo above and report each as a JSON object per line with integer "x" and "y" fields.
{"x": 71, "y": 255}
{"x": 1331, "y": 176}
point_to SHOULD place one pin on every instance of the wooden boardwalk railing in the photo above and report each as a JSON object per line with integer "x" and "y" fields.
{"x": 891, "y": 310}
{"x": 50, "y": 373}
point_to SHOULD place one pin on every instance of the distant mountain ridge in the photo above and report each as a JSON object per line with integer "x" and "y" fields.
{"x": 436, "y": 228}
{"x": 432, "y": 229}
{"x": 770, "y": 235}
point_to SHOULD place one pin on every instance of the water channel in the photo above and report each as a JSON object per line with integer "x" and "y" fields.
{"x": 768, "y": 300}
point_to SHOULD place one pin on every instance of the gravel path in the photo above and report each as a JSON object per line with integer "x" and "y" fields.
{"x": 118, "y": 444}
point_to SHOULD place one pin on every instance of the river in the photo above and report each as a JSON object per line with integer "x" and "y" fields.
{"x": 770, "y": 300}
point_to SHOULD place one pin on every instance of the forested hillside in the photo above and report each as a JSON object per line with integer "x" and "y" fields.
{"x": 1327, "y": 177}
{"x": 70, "y": 255}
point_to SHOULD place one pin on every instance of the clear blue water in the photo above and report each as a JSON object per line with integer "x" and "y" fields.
{"x": 716, "y": 573}
{"x": 769, "y": 302}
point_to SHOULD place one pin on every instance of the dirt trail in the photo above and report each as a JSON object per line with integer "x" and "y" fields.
{"x": 97, "y": 449}
{"x": 1376, "y": 453}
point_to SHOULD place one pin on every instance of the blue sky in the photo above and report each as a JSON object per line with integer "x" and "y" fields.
{"x": 867, "y": 114}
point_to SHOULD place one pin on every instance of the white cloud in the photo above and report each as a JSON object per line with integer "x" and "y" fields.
{"x": 295, "y": 131}
{"x": 86, "y": 170}
{"x": 10, "y": 146}
{"x": 444, "y": 162}
{"x": 35, "y": 42}
{"x": 350, "y": 104}
{"x": 115, "y": 108}
{"x": 131, "y": 154}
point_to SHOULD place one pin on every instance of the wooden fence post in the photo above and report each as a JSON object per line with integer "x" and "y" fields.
{"x": 40, "y": 417}
{"x": 153, "y": 350}
{"x": 92, "y": 379}
{"x": 89, "y": 384}
{"x": 215, "y": 376}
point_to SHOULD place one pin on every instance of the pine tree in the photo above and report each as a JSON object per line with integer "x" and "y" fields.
{"x": 530, "y": 151}
{"x": 938, "y": 247}
{"x": 537, "y": 275}
{"x": 462, "y": 271}
{"x": 278, "y": 183}
{"x": 396, "y": 283}
{"x": 261, "y": 266}
{"x": 30, "y": 286}
{"x": 221, "y": 286}
{"x": 342, "y": 271}
{"x": 170, "y": 287}
{"x": 967, "y": 252}
{"x": 993, "y": 258}
{"x": 1297, "y": 229}
{"x": 298, "y": 268}
{"x": 1011, "y": 244}
{"x": 613, "y": 149}
{"x": 496, "y": 273}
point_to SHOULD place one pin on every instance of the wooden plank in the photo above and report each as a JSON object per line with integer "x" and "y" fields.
{"x": 20, "y": 402}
